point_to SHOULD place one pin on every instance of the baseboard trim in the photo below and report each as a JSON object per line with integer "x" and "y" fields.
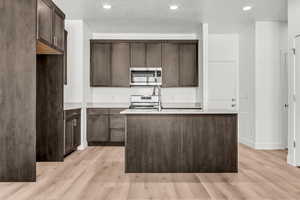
{"x": 246, "y": 142}
{"x": 261, "y": 146}
{"x": 290, "y": 160}
{"x": 269, "y": 146}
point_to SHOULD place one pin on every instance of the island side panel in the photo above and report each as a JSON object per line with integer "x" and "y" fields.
{"x": 181, "y": 143}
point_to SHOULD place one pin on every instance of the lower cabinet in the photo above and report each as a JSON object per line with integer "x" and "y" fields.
{"x": 72, "y": 130}
{"x": 105, "y": 126}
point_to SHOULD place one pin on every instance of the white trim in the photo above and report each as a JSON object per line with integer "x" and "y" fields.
{"x": 291, "y": 160}
{"x": 246, "y": 142}
{"x": 146, "y": 36}
{"x": 269, "y": 146}
{"x": 205, "y": 64}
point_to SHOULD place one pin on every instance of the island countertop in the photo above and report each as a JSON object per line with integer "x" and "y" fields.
{"x": 174, "y": 111}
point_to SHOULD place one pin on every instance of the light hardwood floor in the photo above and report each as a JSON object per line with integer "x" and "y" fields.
{"x": 98, "y": 173}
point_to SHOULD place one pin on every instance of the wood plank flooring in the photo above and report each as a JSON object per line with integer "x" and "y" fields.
{"x": 98, "y": 173}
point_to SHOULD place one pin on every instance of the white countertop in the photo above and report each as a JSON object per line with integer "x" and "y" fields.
{"x": 177, "y": 111}
{"x": 107, "y": 105}
{"x": 72, "y": 106}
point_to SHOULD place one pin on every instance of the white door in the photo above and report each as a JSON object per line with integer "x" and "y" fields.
{"x": 222, "y": 72}
{"x": 296, "y": 100}
{"x": 284, "y": 97}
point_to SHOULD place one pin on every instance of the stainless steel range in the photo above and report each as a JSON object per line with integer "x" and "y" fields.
{"x": 145, "y": 102}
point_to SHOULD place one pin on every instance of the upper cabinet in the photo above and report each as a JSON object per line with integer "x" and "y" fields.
{"x": 66, "y": 59}
{"x": 188, "y": 73}
{"x": 170, "y": 65}
{"x": 50, "y": 28}
{"x": 120, "y": 64}
{"x": 145, "y": 54}
{"x": 138, "y": 54}
{"x": 44, "y": 21}
{"x": 100, "y": 64}
{"x": 58, "y": 29}
{"x": 153, "y": 54}
{"x": 111, "y": 60}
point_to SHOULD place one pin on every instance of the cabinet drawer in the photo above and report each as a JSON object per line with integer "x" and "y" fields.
{"x": 117, "y": 121}
{"x": 97, "y": 111}
{"x": 117, "y": 135}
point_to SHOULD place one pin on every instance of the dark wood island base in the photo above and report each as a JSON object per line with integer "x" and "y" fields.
{"x": 175, "y": 143}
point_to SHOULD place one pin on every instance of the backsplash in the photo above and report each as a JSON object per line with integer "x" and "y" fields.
{"x": 117, "y": 95}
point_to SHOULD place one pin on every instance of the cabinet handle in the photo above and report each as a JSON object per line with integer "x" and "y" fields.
{"x": 233, "y": 105}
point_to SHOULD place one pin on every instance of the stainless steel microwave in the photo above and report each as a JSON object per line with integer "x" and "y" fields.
{"x": 145, "y": 76}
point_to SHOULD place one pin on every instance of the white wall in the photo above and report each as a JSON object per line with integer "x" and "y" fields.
{"x": 269, "y": 41}
{"x": 222, "y": 72}
{"x": 77, "y": 90}
{"x": 73, "y": 92}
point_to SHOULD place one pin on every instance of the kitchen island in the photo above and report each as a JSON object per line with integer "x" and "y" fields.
{"x": 181, "y": 141}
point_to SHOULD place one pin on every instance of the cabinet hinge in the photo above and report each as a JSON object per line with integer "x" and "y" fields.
{"x": 294, "y": 51}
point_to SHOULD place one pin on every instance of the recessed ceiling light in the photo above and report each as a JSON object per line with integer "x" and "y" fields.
{"x": 173, "y": 7}
{"x": 247, "y": 8}
{"x": 107, "y": 6}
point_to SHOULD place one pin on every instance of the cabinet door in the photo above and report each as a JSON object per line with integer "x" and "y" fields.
{"x": 120, "y": 64}
{"x": 77, "y": 132}
{"x": 117, "y": 135}
{"x": 170, "y": 65}
{"x": 44, "y": 21}
{"x": 58, "y": 29}
{"x": 153, "y": 55}
{"x": 138, "y": 54}
{"x": 66, "y": 59}
{"x": 69, "y": 129}
{"x": 188, "y": 65}
{"x": 100, "y": 64}
{"x": 98, "y": 128}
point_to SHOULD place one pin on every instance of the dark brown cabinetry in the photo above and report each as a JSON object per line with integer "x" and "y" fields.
{"x": 105, "y": 126}
{"x": 170, "y": 65}
{"x": 138, "y": 54}
{"x": 100, "y": 64}
{"x": 120, "y": 64}
{"x": 17, "y": 91}
{"x": 50, "y": 28}
{"x": 72, "y": 130}
{"x": 97, "y": 125}
{"x": 66, "y": 59}
{"x": 44, "y": 21}
{"x": 188, "y": 73}
{"x": 58, "y": 29}
{"x": 49, "y": 107}
{"x": 110, "y": 61}
{"x": 153, "y": 54}
{"x": 181, "y": 143}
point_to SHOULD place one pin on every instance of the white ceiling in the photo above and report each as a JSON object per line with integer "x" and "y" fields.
{"x": 155, "y": 16}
